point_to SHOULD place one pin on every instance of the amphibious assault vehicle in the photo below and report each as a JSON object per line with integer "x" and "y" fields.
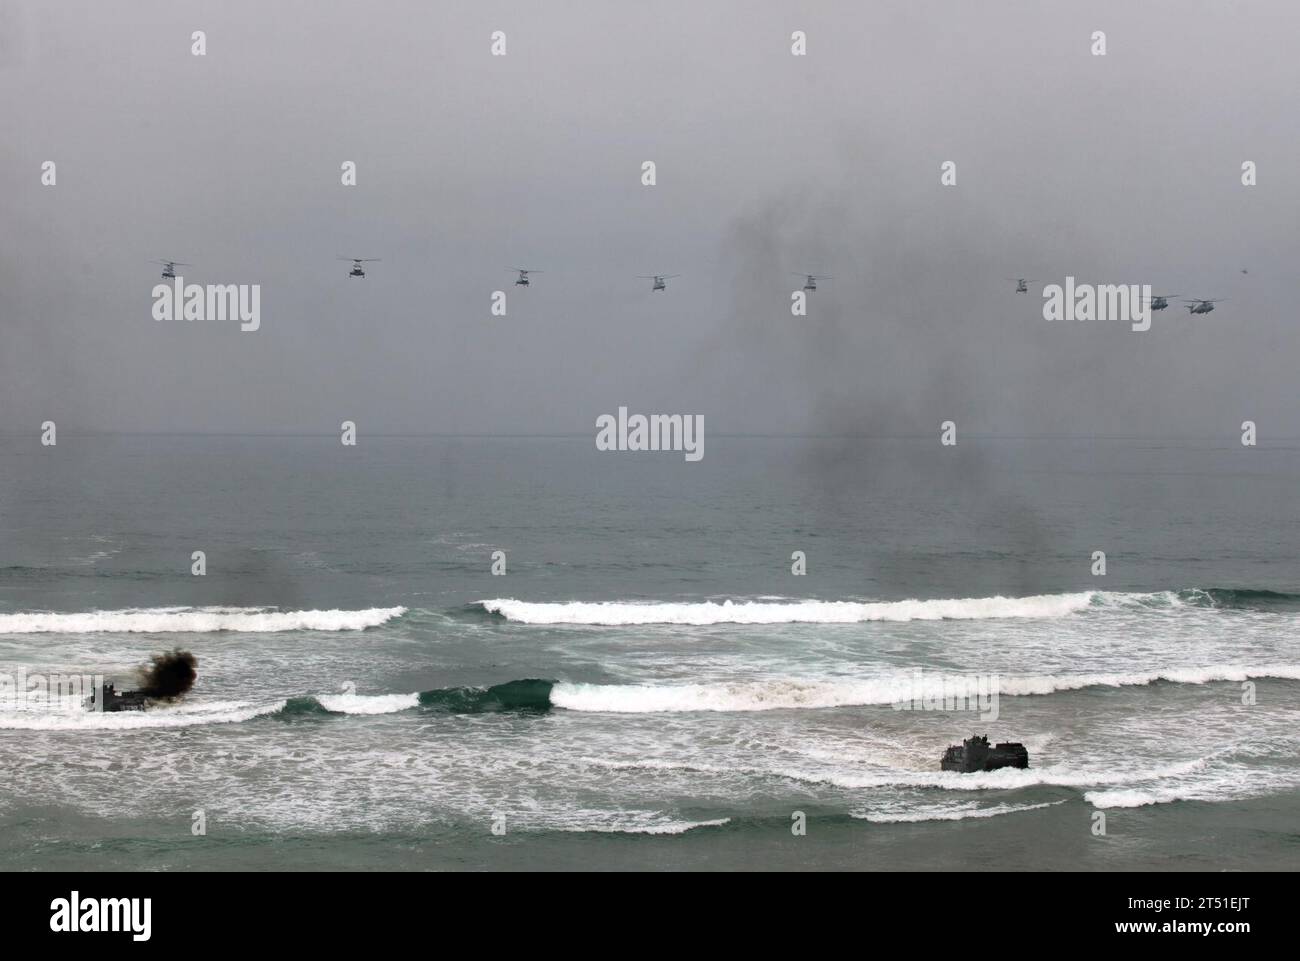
{"x": 110, "y": 699}
{"x": 976, "y": 755}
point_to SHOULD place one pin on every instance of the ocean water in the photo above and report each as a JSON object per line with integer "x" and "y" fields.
{"x": 649, "y": 685}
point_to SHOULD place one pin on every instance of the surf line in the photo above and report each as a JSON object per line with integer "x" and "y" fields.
{"x": 656, "y": 432}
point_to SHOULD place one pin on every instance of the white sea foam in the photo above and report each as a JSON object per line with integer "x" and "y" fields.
{"x": 188, "y": 715}
{"x": 1047, "y": 684}
{"x": 659, "y": 827}
{"x": 368, "y": 703}
{"x": 615, "y": 613}
{"x": 958, "y": 814}
{"x": 774, "y": 694}
{"x": 1006, "y": 778}
{"x": 1230, "y": 782}
{"x": 197, "y": 620}
{"x": 1003, "y": 779}
{"x": 1141, "y": 797}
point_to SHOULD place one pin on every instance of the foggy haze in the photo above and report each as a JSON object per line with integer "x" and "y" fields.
{"x": 1124, "y": 168}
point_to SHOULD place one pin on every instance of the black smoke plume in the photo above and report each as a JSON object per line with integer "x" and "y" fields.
{"x": 168, "y": 675}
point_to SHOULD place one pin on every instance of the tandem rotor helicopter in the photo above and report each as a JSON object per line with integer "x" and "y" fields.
{"x": 169, "y": 267}
{"x": 1200, "y": 306}
{"x": 522, "y": 281}
{"x": 1194, "y": 305}
{"x": 356, "y": 265}
{"x": 658, "y": 280}
{"x": 810, "y": 280}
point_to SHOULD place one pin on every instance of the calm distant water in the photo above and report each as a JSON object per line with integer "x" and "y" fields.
{"x": 648, "y": 684}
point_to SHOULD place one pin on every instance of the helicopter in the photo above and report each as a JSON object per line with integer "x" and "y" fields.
{"x": 658, "y": 280}
{"x": 169, "y": 267}
{"x": 810, "y": 280}
{"x": 356, "y": 265}
{"x": 1022, "y": 285}
{"x": 523, "y": 276}
{"x": 1200, "y": 306}
{"x": 1161, "y": 301}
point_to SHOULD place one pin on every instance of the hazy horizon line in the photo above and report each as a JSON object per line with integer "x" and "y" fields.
{"x": 505, "y": 435}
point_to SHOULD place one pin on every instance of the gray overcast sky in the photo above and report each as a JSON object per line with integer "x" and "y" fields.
{"x": 1123, "y": 168}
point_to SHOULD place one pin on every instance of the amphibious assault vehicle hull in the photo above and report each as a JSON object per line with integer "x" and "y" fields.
{"x": 112, "y": 700}
{"x": 976, "y": 755}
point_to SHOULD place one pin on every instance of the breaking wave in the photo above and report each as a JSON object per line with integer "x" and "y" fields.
{"x": 1141, "y": 797}
{"x": 616, "y": 613}
{"x": 366, "y": 703}
{"x": 187, "y": 715}
{"x": 538, "y": 696}
{"x": 655, "y": 827}
{"x": 703, "y": 613}
{"x": 959, "y": 814}
{"x": 1246, "y": 599}
{"x": 529, "y": 695}
{"x": 195, "y": 620}
{"x": 778, "y": 694}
